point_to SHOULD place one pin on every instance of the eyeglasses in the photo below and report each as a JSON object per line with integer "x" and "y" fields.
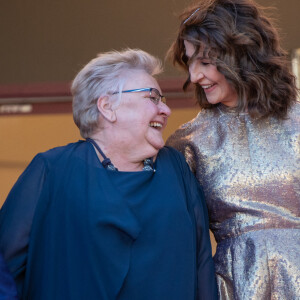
{"x": 154, "y": 94}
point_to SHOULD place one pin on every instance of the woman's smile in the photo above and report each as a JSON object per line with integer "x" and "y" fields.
{"x": 206, "y": 74}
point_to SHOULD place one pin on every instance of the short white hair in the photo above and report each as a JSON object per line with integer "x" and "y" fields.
{"x": 102, "y": 76}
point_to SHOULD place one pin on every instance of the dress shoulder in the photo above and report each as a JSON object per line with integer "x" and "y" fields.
{"x": 175, "y": 156}
{"x": 52, "y": 156}
{"x": 294, "y": 114}
{"x": 183, "y": 139}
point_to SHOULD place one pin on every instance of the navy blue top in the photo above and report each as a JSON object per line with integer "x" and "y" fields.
{"x": 71, "y": 229}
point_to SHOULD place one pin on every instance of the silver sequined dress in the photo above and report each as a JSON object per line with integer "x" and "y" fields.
{"x": 250, "y": 171}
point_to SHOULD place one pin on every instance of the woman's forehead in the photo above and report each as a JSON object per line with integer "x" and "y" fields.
{"x": 192, "y": 50}
{"x": 140, "y": 79}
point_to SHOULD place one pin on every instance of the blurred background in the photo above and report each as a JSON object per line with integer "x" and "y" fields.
{"x": 45, "y": 43}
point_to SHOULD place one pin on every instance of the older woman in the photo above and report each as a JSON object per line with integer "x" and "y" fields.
{"x": 114, "y": 216}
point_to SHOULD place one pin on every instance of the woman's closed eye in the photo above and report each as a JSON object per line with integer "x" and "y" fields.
{"x": 204, "y": 62}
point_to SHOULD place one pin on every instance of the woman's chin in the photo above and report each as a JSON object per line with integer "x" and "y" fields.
{"x": 158, "y": 144}
{"x": 155, "y": 147}
{"x": 155, "y": 141}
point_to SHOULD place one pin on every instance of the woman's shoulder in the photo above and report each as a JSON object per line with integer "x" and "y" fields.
{"x": 170, "y": 152}
{"x": 57, "y": 154}
{"x": 203, "y": 117}
{"x": 185, "y": 134}
{"x": 292, "y": 122}
{"x": 294, "y": 112}
{"x": 175, "y": 158}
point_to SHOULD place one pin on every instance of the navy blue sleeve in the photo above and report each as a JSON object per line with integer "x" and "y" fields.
{"x": 205, "y": 265}
{"x": 8, "y": 289}
{"x": 207, "y": 287}
{"x": 16, "y": 217}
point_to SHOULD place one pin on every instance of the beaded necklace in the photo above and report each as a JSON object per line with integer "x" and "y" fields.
{"x": 107, "y": 164}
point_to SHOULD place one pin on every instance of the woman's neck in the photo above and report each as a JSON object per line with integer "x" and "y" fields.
{"x": 123, "y": 160}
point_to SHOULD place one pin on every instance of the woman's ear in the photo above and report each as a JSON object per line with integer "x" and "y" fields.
{"x": 105, "y": 108}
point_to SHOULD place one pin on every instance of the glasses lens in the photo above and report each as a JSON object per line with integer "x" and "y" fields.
{"x": 160, "y": 97}
{"x": 163, "y": 99}
{"x": 156, "y": 95}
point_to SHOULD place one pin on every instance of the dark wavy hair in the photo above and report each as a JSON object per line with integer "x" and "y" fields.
{"x": 245, "y": 46}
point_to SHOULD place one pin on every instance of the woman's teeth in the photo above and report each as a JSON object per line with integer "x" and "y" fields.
{"x": 155, "y": 125}
{"x": 207, "y": 86}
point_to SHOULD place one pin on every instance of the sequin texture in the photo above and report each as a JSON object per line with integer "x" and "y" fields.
{"x": 250, "y": 172}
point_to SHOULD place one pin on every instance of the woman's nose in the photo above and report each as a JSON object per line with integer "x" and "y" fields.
{"x": 164, "y": 109}
{"x": 195, "y": 73}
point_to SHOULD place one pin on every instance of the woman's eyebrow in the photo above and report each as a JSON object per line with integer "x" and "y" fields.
{"x": 198, "y": 56}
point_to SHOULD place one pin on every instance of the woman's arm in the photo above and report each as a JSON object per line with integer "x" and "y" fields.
{"x": 16, "y": 217}
{"x": 206, "y": 287}
{"x": 8, "y": 289}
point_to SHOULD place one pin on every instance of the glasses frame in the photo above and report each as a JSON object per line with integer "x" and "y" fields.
{"x": 161, "y": 98}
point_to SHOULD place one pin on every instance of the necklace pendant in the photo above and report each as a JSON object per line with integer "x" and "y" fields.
{"x": 111, "y": 167}
{"x": 148, "y": 164}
